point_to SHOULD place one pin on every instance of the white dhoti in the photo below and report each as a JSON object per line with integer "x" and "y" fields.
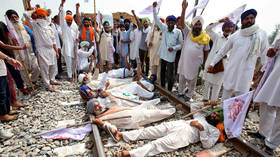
{"x": 214, "y": 89}
{"x": 69, "y": 65}
{"x": 134, "y": 88}
{"x": 169, "y": 137}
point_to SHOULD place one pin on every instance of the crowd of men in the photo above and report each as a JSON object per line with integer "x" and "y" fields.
{"x": 103, "y": 56}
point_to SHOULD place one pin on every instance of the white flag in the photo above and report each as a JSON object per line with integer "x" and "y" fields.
{"x": 235, "y": 110}
{"x": 98, "y": 18}
{"x": 201, "y": 5}
{"x": 235, "y": 15}
{"x": 149, "y": 9}
{"x": 86, "y": 1}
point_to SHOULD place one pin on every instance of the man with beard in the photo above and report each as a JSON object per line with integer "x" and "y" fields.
{"x": 213, "y": 82}
{"x": 170, "y": 136}
{"x": 143, "y": 49}
{"x": 69, "y": 37}
{"x": 106, "y": 46}
{"x": 46, "y": 47}
{"x": 125, "y": 41}
{"x": 194, "y": 53}
{"x": 171, "y": 42}
{"x": 30, "y": 59}
{"x": 245, "y": 47}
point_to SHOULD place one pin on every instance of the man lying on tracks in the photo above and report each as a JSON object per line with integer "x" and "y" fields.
{"x": 141, "y": 115}
{"x": 170, "y": 136}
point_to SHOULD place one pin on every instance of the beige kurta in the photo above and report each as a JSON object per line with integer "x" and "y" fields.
{"x": 105, "y": 46}
{"x": 153, "y": 51}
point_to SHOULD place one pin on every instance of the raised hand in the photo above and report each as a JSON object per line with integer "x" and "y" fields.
{"x": 78, "y": 5}
{"x": 271, "y": 52}
{"x": 133, "y": 12}
{"x": 226, "y": 19}
{"x": 185, "y": 4}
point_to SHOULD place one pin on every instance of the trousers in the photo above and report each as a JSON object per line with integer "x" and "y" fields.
{"x": 169, "y": 67}
{"x": 4, "y": 96}
{"x": 182, "y": 86}
{"x": 143, "y": 55}
{"x": 270, "y": 125}
{"x": 213, "y": 89}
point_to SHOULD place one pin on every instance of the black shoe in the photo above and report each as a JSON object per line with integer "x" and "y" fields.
{"x": 256, "y": 135}
{"x": 269, "y": 151}
{"x": 163, "y": 98}
{"x": 187, "y": 98}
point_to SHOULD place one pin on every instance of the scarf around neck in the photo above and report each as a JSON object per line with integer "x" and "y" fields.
{"x": 83, "y": 34}
{"x": 255, "y": 46}
{"x": 146, "y": 30}
{"x": 203, "y": 38}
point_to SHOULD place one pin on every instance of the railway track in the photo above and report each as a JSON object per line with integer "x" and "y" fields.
{"x": 239, "y": 144}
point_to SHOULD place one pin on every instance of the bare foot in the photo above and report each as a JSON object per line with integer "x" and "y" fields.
{"x": 56, "y": 83}
{"x": 25, "y": 91}
{"x": 13, "y": 112}
{"x": 7, "y": 117}
{"x": 18, "y": 104}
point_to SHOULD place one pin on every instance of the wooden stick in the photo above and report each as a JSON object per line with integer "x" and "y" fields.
{"x": 90, "y": 122}
{"x": 139, "y": 103}
{"x": 196, "y": 111}
{"x": 202, "y": 11}
{"x": 75, "y": 75}
{"x": 25, "y": 69}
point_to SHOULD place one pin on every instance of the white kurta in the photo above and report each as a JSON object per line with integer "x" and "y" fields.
{"x": 134, "y": 88}
{"x": 172, "y": 135}
{"x": 105, "y": 46}
{"x": 69, "y": 35}
{"x": 83, "y": 59}
{"x": 153, "y": 51}
{"x": 218, "y": 42}
{"x": 239, "y": 71}
{"x": 192, "y": 56}
{"x": 140, "y": 116}
{"x": 135, "y": 37}
{"x": 120, "y": 73}
{"x": 270, "y": 92}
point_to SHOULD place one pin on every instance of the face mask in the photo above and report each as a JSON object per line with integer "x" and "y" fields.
{"x": 42, "y": 22}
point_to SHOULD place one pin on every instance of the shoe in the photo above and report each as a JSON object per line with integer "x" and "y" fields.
{"x": 269, "y": 151}
{"x": 163, "y": 98}
{"x": 4, "y": 135}
{"x": 187, "y": 98}
{"x": 7, "y": 117}
{"x": 256, "y": 135}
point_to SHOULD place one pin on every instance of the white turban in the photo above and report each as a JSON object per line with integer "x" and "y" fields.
{"x": 196, "y": 19}
{"x": 81, "y": 78}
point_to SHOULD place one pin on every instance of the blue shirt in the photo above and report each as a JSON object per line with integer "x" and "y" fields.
{"x": 29, "y": 31}
{"x": 126, "y": 35}
{"x": 173, "y": 39}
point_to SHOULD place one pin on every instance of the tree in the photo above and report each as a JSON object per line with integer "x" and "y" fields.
{"x": 274, "y": 34}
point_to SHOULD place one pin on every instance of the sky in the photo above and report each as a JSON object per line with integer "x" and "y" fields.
{"x": 267, "y": 16}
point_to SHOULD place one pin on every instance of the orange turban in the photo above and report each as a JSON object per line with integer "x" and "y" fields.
{"x": 68, "y": 17}
{"x": 41, "y": 11}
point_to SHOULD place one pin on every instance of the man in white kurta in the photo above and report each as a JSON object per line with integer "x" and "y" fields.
{"x": 135, "y": 37}
{"x": 83, "y": 56}
{"x": 46, "y": 47}
{"x": 69, "y": 37}
{"x": 193, "y": 55}
{"x": 29, "y": 57}
{"x": 154, "y": 39}
{"x": 213, "y": 82}
{"x": 106, "y": 45}
{"x": 245, "y": 46}
{"x": 269, "y": 97}
{"x": 170, "y": 136}
{"x": 141, "y": 115}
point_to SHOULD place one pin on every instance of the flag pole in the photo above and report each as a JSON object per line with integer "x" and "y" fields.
{"x": 94, "y": 6}
{"x": 195, "y": 4}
